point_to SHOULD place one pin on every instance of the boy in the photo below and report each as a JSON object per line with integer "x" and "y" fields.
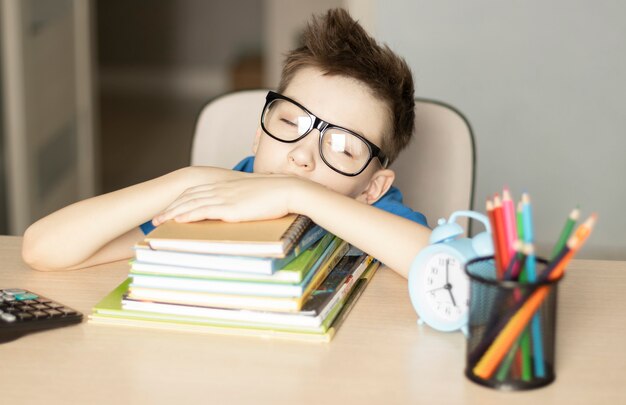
{"x": 342, "y": 113}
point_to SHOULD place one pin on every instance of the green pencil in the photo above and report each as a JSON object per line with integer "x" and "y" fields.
{"x": 566, "y": 232}
{"x": 527, "y": 373}
{"x": 505, "y": 367}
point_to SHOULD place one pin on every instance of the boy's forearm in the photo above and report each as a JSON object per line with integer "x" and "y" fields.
{"x": 392, "y": 239}
{"x": 75, "y": 233}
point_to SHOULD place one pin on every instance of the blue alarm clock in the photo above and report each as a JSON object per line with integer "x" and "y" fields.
{"x": 438, "y": 285}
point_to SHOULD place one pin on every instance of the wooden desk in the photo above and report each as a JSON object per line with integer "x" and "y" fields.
{"x": 379, "y": 356}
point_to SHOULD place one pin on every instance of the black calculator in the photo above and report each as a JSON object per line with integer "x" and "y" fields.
{"x": 22, "y": 312}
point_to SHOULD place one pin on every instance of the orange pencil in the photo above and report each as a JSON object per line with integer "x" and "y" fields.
{"x": 518, "y": 322}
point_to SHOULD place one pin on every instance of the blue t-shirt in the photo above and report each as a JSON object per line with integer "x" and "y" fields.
{"x": 390, "y": 202}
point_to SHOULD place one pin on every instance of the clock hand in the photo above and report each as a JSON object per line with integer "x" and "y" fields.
{"x": 438, "y": 288}
{"x": 448, "y": 286}
{"x": 451, "y": 296}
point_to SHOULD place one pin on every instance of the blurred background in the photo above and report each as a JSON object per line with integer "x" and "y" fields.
{"x": 97, "y": 95}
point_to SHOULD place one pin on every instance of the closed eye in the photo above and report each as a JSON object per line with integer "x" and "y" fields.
{"x": 286, "y": 121}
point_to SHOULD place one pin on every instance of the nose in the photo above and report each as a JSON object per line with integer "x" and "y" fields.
{"x": 303, "y": 155}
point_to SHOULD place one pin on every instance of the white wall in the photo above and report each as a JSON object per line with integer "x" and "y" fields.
{"x": 543, "y": 85}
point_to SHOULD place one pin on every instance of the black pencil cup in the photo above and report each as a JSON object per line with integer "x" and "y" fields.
{"x": 503, "y": 350}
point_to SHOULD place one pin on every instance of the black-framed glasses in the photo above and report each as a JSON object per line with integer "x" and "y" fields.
{"x": 342, "y": 150}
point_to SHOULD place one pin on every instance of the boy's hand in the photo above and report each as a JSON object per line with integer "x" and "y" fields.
{"x": 254, "y": 197}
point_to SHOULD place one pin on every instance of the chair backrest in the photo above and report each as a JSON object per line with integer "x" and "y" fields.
{"x": 225, "y": 129}
{"x": 435, "y": 173}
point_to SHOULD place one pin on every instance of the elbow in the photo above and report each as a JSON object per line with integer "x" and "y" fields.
{"x": 34, "y": 252}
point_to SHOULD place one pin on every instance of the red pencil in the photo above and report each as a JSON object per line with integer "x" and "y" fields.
{"x": 501, "y": 237}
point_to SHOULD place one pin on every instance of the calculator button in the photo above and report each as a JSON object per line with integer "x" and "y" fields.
{"x": 25, "y": 308}
{"x": 54, "y": 312}
{"x": 42, "y": 301}
{"x": 54, "y": 305}
{"x": 40, "y": 314}
{"x": 67, "y": 311}
{"x": 40, "y": 306}
{"x": 24, "y": 316}
{"x": 8, "y": 317}
{"x": 26, "y": 296}
{"x": 9, "y": 298}
{"x": 30, "y": 302}
{"x": 13, "y": 291}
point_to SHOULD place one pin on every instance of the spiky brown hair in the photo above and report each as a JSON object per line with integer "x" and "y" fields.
{"x": 338, "y": 45}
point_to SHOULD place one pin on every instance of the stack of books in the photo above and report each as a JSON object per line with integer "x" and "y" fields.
{"x": 285, "y": 278}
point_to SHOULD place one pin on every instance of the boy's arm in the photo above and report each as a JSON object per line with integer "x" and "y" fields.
{"x": 392, "y": 239}
{"x": 105, "y": 228}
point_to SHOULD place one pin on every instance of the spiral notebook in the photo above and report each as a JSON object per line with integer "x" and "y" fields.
{"x": 268, "y": 238}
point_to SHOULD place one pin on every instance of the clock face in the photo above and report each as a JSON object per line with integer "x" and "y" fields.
{"x": 445, "y": 288}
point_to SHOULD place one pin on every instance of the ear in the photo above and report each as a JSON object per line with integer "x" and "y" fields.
{"x": 378, "y": 185}
{"x": 255, "y": 144}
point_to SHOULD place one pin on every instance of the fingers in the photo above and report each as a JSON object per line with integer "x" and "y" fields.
{"x": 205, "y": 212}
{"x": 184, "y": 207}
{"x": 191, "y": 193}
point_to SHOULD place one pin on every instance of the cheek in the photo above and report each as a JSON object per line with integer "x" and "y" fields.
{"x": 268, "y": 156}
{"x": 347, "y": 186}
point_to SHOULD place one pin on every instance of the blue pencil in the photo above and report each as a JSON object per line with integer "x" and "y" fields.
{"x": 531, "y": 271}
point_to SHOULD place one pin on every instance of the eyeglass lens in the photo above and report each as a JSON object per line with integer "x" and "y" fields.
{"x": 341, "y": 150}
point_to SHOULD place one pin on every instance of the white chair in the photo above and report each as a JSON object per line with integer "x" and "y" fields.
{"x": 435, "y": 172}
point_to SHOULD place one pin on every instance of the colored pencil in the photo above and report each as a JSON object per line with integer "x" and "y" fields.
{"x": 503, "y": 342}
{"x": 492, "y": 357}
{"x": 520, "y": 236}
{"x": 521, "y": 352}
{"x": 557, "y": 266}
{"x": 503, "y": 252}
{"x": 528, "y": 236}
{"x": 526, "y": 347}
{"x": 535, "y": 329}
{"x": 516, "y": 261}
{"x": 505, "y": 367}
{"x": 494, "y": 237}
{"x": 510, "y": 226}
{"x": 566, "y": 232}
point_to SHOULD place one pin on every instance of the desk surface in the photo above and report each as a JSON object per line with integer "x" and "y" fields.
{"x": 380, "y": 355}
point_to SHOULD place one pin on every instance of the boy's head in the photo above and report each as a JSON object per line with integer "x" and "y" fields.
{"x": 343, "y": 77}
